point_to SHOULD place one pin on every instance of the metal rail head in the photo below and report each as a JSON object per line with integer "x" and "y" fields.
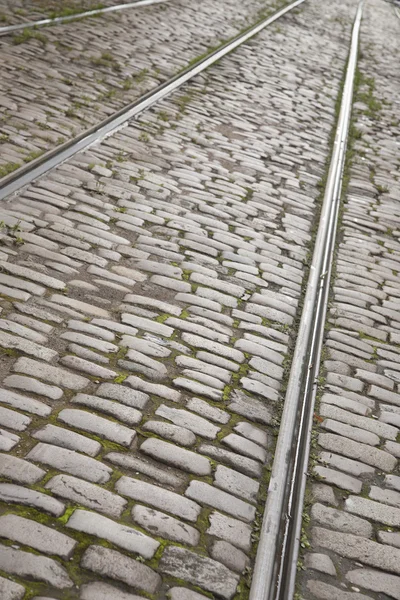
{"x": 275, "y": 568}
{"x": 27, "y": 173}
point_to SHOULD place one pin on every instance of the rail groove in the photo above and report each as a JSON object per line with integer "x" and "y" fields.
{"x": 26, "y": 174}
{"x": 67, "y": 18}
{"x": 276, "y": 561}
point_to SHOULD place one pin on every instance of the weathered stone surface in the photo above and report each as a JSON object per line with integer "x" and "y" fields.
{"x": 373, "y": 510}
{"x": 180, "y": 593}
{"x": 236, "y": 483}
{"x": 355, "y": 450}
{"x": 231, "y": 557}
{"x": 110, "y": 563}
{"x": 162, "y": 525}
{"x": 26, "y": 564}
{"x": 184, "y": 418}
{"x": 339, "y": 519}
{"x": 71, "y": 462}
{"x": 339, "y": 479}
{"x": 176, "y": 434}
{"x": 121, "y": 535}
{"x": 376, "y": 581}
{"x": 38, "y": 536}
{"x": 55, "y": 375}
{"x": 67, "y": 439}
{"x": 358, "y": 548}
{"x": 207, "y": 494}
{"x": 87, "y": 494}
{"x": 320, "y": 562}
{"x": 9, "y": 590}
{"x": 30, "y": 405}
{"x": 104, "y": 428}
{"x": 103, "y": 591}
{"x": 19, "y": 470}
{"x": 123, "y": 394}
{"x": 144, "y": 466}
{"x": 325, "y": 591}
{"x": 158, "y": 497}
{"x": 177, "y": 457}
{"x": 199, "y": 570}
{"x": 21, "y": 495}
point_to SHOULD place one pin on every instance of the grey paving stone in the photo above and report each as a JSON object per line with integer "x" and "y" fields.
{"x": 393, "y": 448}
{"x": 198, "y": 388}
{"x": 324, "y": 493}
{"x": 235, "y": 483}
{"x": 384, "y": 395}
{"x": 380, "y": 429}
{"x": 84, "y": 307}
{"x": 71, "y": 462}
{"x": 385, "y": 496}
{"x": 393, "y": 482}
{"x": 67, "y": 439}
{"x": 214, "y": 347}
{"x": 20, "y": 495}
{"x": 103, "y": 591}
{"x": 320, "y": 562}
{"x": 208, "y": 411}
{"x": 13, "y": 419}
{"x": 180, "y": 593}
{"x": 27, "y": 346}
{"x": 209, "y": 495}
{"x": 198, "y": 329}
{"x": 104, "y": 428}
{"x": 177, "y": 457}
{"x": 375, "y": 379}
{"x": 125, "y": 537}
{"x": 86, "y": 340}
{"x": 344, "y": 381}
{"x": 165, "y": 307}
{"x": 80, "y": 364}
{"x": 154, "y": 388}
{"x": 252, "y": 409}
{"x": 339, "y": 479}
{"x": 368, "y": 454}
{"x": 162, "y": 525}
{"x": 9, "y": 590}
{"x": 28, "y": 384}
{"x": 56, "y": 375}
{"x": 199, "y": 570}
{"x": 358, "y": 548}
{"x": 21, "y": 330}
{"x": 147, "y": 325}
{"x": 181, "y": 436}
{"x": 346, "y": 403}
{"x": 375, "y": 581}
{"x": 144, "y": 466}
{"x": 354, "y": 433}
{"x": 26, "y": 564}
{"x": 248, "y": 466}
{"x": 353, "y": 467}
{"x": 30, "y": 533}
{"x": 110, "y": 563}
{"x": 184, "y": 418}
{"x": 325, "y": 591}
{"x": 8, "y": 440}
{"x": 389, "y": 538}
{"x": 376, "y": 511}
{"x": 87, "y": 494}
{"x": 123, "y": 394}
{"x": 219, "y": 361}
{"x": 19, "y": 470}
{"x": 231, "y": 557}
{"x": 245, "y": 446}
{"x": 159, "y": 498}
{"x": 339, "y": 519}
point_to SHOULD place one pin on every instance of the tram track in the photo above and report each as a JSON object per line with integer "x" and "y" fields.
{"x": 28, "y": 173}
{"x": 273, "y": 578}
{"x": 276, "y": 563}
{"x": 10, "y": 29}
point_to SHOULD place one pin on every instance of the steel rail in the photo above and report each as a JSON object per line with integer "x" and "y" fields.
{"x": 275, "y": 569}
{"x": 27, "y": 173}
{"x": 89, "y": 13}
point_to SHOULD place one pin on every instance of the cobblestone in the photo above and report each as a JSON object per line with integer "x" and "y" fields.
{"x": 26, "y": 564}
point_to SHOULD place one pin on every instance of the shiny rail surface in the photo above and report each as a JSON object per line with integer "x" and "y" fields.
{"x": 276, "y": 562}
{"x": 26, "y": 174}
{"x": 66, "y": 19}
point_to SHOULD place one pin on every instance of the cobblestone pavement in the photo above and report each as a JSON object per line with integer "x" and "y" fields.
{"x": 20, "y": 11}
{"x": 58, "y": 81}
{"x": 355, "y": 507}
{"x": 149, "y": 293}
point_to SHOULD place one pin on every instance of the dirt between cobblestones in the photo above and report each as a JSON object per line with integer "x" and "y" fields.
{"x": 351, "y": 527}
{"x": 150, "y": 290}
